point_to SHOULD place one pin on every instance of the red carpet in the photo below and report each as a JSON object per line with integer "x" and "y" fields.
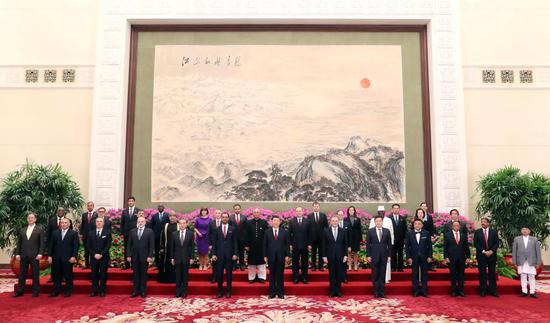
{"x": 359, "y": 284}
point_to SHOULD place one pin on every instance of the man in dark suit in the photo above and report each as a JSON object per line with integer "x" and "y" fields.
{"x": 454, "y": 217}
{"x": 87, "y": 219}
{"x": 212, "y": 227}
{"x": 428, "y": 225}
{"x": 55, "y": 223}
{"x": 224, "y": 253}
{"x": 181, "y": 253}
{"x": 318, "y": 224}
{"x": 276, "y": 244}
{"x": 99, "y": 242}
{"x": 399, "y": 224}
{"x": 419, "y": 248}
{"x": 457, "y": 255}
{"x": 299, "y": 245}
{"x": 345, "y": 225}
{"x": 335, "y": 249}
{"x": 238, "y": 221}
{"x": 128, "y": 221}
{"x": 141, "y": 249}
{"x": 379, "y": 249}
{"x": 63, "y": 250}
{"x": 158, "y": 221}
{"x": 107, "y": 224}
{"x": 486, "y": 242}
{"x": 31, "y": 242}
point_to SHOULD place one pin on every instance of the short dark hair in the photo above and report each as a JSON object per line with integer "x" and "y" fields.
{"x": 395, "y": 204}
{"x": 131, "y": 198}
{"x": 378, "y": 216}
{"x": 455, "y": 210}
{"x": 417, "y": 220}
{"x": 275, "y": 217}
{"x": 204, "y": 209}
{"x": 424, "y": 202}
{"x": 237, "y": 204}
{"x": 101, "y": 208}
{"x": 453, "y": 223}
{"x": 315, "y": 203}
{"x": 486, "y": 219}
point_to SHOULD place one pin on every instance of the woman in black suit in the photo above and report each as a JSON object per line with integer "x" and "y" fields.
{"x": 355, "y": 237}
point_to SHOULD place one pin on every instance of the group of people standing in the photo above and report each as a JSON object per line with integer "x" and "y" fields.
{"x": 222, "y": 241}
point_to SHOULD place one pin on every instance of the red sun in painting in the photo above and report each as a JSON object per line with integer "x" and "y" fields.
{"x": 365, "y": 83}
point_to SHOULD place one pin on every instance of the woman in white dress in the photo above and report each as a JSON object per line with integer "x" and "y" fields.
{"x": 388, "y": 225}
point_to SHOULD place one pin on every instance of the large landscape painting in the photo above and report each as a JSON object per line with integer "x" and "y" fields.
{"x": 278, "y": 123}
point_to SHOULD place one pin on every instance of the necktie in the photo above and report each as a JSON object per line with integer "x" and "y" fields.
{"x": 131, "y": 212}
{"x": 380, "y": 235}
{"x": 217, "y": 223}
{"x": 276, "y": 234}
{"x": 224, "y": 231}
{"x": 98, "y": 233}
{"x": 456, "y": 236}
{"x": 89, "y": 217}
{"x": 316, "y": 217}
{"x": 237, "y": 219}
{"x": 140, "y": 233}
{"x": 335, "y": 233}
{"x": 63, "y": 234}
{"x": 299, "y": 220}
{"x": 486, "y": 239}
{"x": 341, "y": 224}
{"x": 396, "y": 217}
{"x": 181, "y": 237}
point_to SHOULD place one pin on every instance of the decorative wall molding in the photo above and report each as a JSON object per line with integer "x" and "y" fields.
{"x": 46, "y": 76}
{"x": 507, "y": 76}
{"x": 446, "y": 87}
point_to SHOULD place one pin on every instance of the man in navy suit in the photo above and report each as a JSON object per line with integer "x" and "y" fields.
{"x": 238, "y": 221}
{"x": 276, "y": 244}
{"x": 457, "y": 256}
{"x": 181, "y": 255}
{"x": 379, "y": 248}
{"x": 335, "y": 249}
{"x": 486, "y": 242}
{"x": 63, "y": 250}
{"x": 299, "y": 245}
{"x": 318, "y": 224}
{"x": 224, "y": 253}
{"x": 141, "y": 249}
{"x": 98, "y": 243}
{"x": 158, "y": 221}
{"x": 419, "y": 252}
{"x": 128, "y": 221}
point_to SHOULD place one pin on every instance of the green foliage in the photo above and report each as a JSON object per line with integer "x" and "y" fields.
{"x": 516, "y": 200}
{"x": 38, "y": 188}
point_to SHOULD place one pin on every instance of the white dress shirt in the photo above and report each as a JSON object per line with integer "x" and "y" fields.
{"x": 29, "y": 231}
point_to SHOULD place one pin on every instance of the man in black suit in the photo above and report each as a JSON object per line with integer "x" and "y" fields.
{"x": 379, "y": 249}
{"x": 107, "y": 224}
{"x": 238, "y": 221}
{"x": 99, "y": 242}
{"x": 335, "y": 249}
{"x": 141, "y": 249}
{"x": 31, "y": 242}
{"x": 63, "y": 250}
{"x": 87, "y": 219}
{"x": 181, "y": 253}
{"x": 158, "y": 221}
{"x": 454, "y": 217}
{"x": 318, "y": 224}
{"x": 428, "y": 225}
{"x": 276, "y": 244}
{"x": 457, "y": 255}
{"x": 224, "y": 253}
{"x": 345, "y": 225}
{"x": 486, "y": 242}
{"x": 212, "y": 227}
{"x": 55, "y": 223}
{"x": 128, "y": 221}
{"x": 419, "y": 248}
{"x": 399, "y": 224}
{"x": 299, "y": 245}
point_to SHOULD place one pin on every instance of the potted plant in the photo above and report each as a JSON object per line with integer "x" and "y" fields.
{"x": 515, "y": 200}
{"x": 38, "y": 188}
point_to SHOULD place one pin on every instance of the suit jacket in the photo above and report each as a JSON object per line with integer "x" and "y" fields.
{"x": 334, "y": 250}
{"x": 33, "y": 246}
{"x": 422, "y": 249}
{"x": 276, "y": 249}
{"x": 52, "y": 226}
{"x": 355, "y": 230}
{"x": 128, "y": 221}
{"x": 212, "y": 230}
{"x": 182, "y": 253}
{"x": 299, "y": 233}
{"x": 158, "y": 224}
{"x": 531, "y": 254}
{"x": 101, "y": 244}
{"x": 379, "y": 250}
{"x": 107, "y": 225}
{"x": 224, "y": 247}
{"x": 492, "y": 244}
{"x": 449, "y": 227}
{"x": 428, "y": 224}
{"x": 399, "y": 228}
{"x": 240, "y": 229}
{"x": 454, "y": 251}
{"x": 86, "y": 224}
{"x": 64, "y": 249}
{"x": 316, "y": 229}
{"x": 141, "y": 249}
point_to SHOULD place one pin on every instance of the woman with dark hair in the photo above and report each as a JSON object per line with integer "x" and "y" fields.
{"x": 202, "y": 222}
{"x": 355, "y": 237}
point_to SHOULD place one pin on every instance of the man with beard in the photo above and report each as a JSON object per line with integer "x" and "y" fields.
{"x": 255, "y": 230}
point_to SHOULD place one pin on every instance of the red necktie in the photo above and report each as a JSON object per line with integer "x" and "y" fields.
{"x": 224, "y": 231}
{"x": 276, "y": 235}
{"x": 486, "y": 241}
{"x": 456, "y": 236}
{"x": 238, "y": 219}
{"x": 89, "y": 217}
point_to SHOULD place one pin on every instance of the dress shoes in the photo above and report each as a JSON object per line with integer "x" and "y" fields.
{"x": 271, "y": 296}
{"x": 143, "y": 295}
{"x": 281, "y": 296}
{"x": 295, "y": 281}
{"x": 67, "y": 295}
{"x": 461, "y": 294}
{"x": 34, "y": 294}
{"x": 339, "y": 295}
{"x": 101, "y": 294}
{"x": 220, "y": 294}
{"x": 93, "y": 294}
{"x": 184, "y": 295}
{"x": 494, "y": 294}
{"x": 523, "y": 295}
{"x": 134, "y": 294}
{"x": 53, "y": 294}
{"x": 482, "y": 294}
{"x": 304, "y": 281}
{"x": 17, "y": 295}
{"x": 533, "y": 295}
{"x": 228, "y": 294}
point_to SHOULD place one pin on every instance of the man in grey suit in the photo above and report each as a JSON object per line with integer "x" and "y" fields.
{"x": 31, "y": 242}
{"x": 527, "y": 257}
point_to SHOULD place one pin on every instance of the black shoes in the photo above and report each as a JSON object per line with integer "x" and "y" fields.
{"x": 271, "y": 296}
{"x": 101, "y": 294}
{"x": 228, "y": 294}
{"x": 134, "y": 294}
{"x": 17, "y": 295}
{"x": 461, "y": 294}
{"x": 533, "y": 295}
{"x": 281, "y": 296}
{"x": 34, "y": 294}
{"x": 220, "y": 294}
{"x": 53, "y": 294}
{"x": 482, "y": 294}
{"x": 93, "y": 294}
{"x": 143, "y": 295}
{"x": 295, "y": 281}
{"x": 494, "y": 294}
{"x": 67, "y": 295}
